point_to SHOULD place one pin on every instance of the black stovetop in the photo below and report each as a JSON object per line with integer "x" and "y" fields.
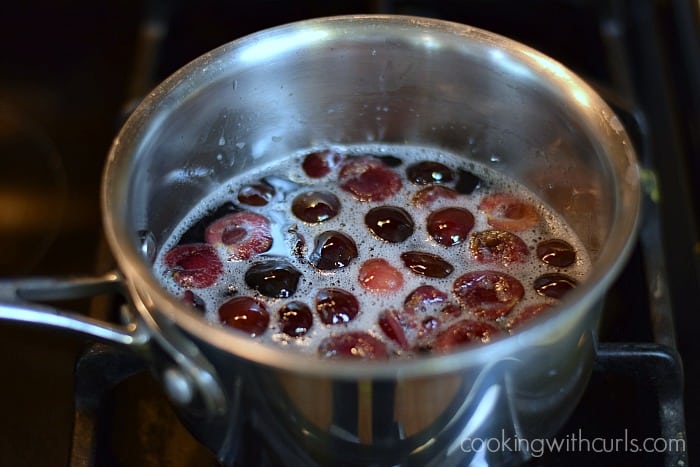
{"x": 72, "y": 70}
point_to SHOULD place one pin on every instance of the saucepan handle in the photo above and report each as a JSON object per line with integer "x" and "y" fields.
{"x": 191, "y": 378}
{"x": 21, "y": 301}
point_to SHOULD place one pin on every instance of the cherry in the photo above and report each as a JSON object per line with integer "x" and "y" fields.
{"x": 498, "y": 246}
{"x": 295, "y": 319}
{"x": 368, "y": 179}
{"x": 194, "y": 265}
{"x": 336, "y": 306}
{"x": 414, "y": 325}
{"x": 388, "y": 160}
{"x": 426, "y": 264}
{"x": 316, "y": 206}
{"x": 320, "y": 163}
{"x": 466, "y": 331}
{"x": 354, "y": 344}
{"x": 390, "y": 223}
{"x": 392, "y": 325}
{"x": 556, "y": 252}
{"x": 244, "y": 234}
{"x": 467, "y": 182}
{"x": 488, "y": 294}
{"x": 256, "y": 194}
{"x": 377, "y": 275}
{"x": 554, "y": 285}
{"x": 508, "y": 212}
{"x": 526, "y": 314}
{"x": 245, "y": 314}
{"x": 431, "y": 194}
{"x": 450, "y": 226}
{"x": 274, "y": 278}
{"x": 196, "y": 233}
{"x": 424, "y": 299}
{"x": 333, "y": 250}
{"x": 427, "y": 172}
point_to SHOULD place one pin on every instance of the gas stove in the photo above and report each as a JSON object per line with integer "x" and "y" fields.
{"x": 74, "y": 70}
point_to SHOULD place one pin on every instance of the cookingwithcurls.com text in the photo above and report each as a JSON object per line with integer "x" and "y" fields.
{"x": 574, "y": 442}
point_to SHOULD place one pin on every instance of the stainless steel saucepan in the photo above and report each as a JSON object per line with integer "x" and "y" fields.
{"x": 359, "y": 79}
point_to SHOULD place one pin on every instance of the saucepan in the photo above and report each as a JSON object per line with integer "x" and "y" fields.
{"x": 350, "y": 80}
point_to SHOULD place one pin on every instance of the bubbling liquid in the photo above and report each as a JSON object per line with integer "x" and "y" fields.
{"x": 435, "y": 250}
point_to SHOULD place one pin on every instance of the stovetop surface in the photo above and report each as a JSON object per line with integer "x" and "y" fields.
{"x": 69, "y": 73}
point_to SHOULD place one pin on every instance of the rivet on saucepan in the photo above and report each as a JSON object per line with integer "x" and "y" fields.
{"x": 148, "y": 244}
{"x": 177, "y": 386}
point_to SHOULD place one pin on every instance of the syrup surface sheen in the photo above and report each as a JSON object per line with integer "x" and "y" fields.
{"x": 385, "y": 310}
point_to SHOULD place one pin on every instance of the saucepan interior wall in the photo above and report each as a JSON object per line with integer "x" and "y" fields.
{"x": 241, "y": 108}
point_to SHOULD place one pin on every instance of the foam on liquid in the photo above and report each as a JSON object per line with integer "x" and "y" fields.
{"x": 289, "y": 180}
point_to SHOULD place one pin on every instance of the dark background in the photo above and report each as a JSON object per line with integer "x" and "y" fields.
{"x": 63, "y": 74}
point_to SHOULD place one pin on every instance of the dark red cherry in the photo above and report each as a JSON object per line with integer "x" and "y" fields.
{"x": 426, "y": 264}
{"x": 316, "y": 206}
{"x": 245, "y": 314}
{"x": 498, "y": 246}
{"x": 354, "y": 344}
{"x": 295, "y": 319}
{"x": 275, "y": 278}
{"x": 333, "y": 250}
{"x": 488, "y": 294}
{"x": 390, "y": 223}
{"x": 424, "y": 299}
{"x": 450, "y": 226}
{"x": 391, "y": 323}
{"x": 556, "y": 252}
{"x": 368, "y": 179}
{"x": 194, "y": 265}
{"x": 336, "y": 306}
{"x": 389, "y": 160}
{"x": 466, "y": 331}
{"x": 429, "y": 172}
{"x": 320, "y": 163}
{"x": 256, "y": 194}
{"x": 554, "y": 285}
{"x": 467, "y": 182}
{"x": 197, "y": 232}
{"x": 244, "y": 234}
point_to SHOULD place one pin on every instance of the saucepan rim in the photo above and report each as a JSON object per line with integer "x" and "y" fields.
{"x": 612, "y": 138}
